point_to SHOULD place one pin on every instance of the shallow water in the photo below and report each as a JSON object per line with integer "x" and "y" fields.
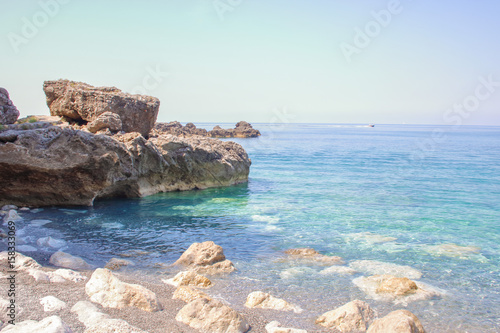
{"x": 391, "y": 194}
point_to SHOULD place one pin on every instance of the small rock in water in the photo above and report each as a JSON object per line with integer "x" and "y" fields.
{"x": 51, "y": 303}
{"x": 275, "y": 327}
{"x": 51, "y": 242}
{"x": 313, "y": 255}
{"x": 453, "y": 250}
{"x": 399, "y": 321}
{"x": 212, "y": 316}
{"x": 53, "y": 324}
{"x": 115, "y": 264}
{"x": 12, "y": 216}
{"x": 206, "y": 257}
{"x": 259, "y": 299}
{"x": 372, "y": 238}
{"x": 26, "y": 248}
{"x": 39, "y": 223}
{"x": 66, "y": 260}
{"x": 354, "y": 316}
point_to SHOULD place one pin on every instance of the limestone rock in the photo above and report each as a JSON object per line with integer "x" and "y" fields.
{"x": 51, "y": 303}
{"x": 189, "y": 278}
{"x": 116, "y": 263}
{"x": 98, "y": 322}
{"x": 395, "y": 289}
{"x": 21, "y": 263}
{"x": 205, "y": 257}
{"x": 259, "y": 299}
{"x": 66, "y": 260}
{"x": 106, "y": 289}
{"x": 242, "y": 130}
{"x": 311, "y": 254}
{"x": 399, "y": 321}
{"x": 51, "y": 242}
{"x": 188, "y": 294}
{"x": 354, "y": 316}
{"x": 275, "y": 327}
{"x": 106, "y": 120}
{"x": 69, "y": 275}
{"x": 52, "y": 324}
{"x": 73, "y": 167}
{"x": 212, "y": 316}
{"x": 8, "y": 112}
{"x": 82, "y": 102}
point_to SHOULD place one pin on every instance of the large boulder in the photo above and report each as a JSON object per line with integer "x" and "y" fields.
{"x": 66, "y": 260}
{"x": 242, "y": 130}
{"x": 64, "y": 166}
{"x": 212, "y": 316}
{"x": 399, "y": 321}
{"x": 8, "y": 112}
{"x": 82, "y": 102}
{"x": 106, "y": 289}
{"x": 206, "y": 257}
{"x": 354, "y": 316}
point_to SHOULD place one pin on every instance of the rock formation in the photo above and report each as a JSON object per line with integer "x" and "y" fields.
{"x": 206, "y": 257}
{"x": 354, "y": 316}
{"x": 62, "y": 166}
{"x": 189, "y": 278}
{"x": 66, "y": 260}
{"x": 400, "y": 321}
{"x": 242, "y": 130}
{"x": 188, "y": 294}
{"x": 259, "y": 299}
{"x": 53, "y": 324}
{"x": 84, "y": 103}
{"x": 313, "y": 255}
{"x": 8, "y": 112}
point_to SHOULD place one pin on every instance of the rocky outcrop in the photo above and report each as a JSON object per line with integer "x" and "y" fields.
{"x": 106, "y": 289}
{"x": 8, "y": 112}
{"x": 84, "y": 103}
{"x": 212, "y": 316}
{"x": 262, "y": 300}
{"x": 354, "y": 316}
{"x": 400, "y": 321}
{"x": 206, "y": 257}
{"x": 242, "y": 130}
{"x": 62, "y": 166}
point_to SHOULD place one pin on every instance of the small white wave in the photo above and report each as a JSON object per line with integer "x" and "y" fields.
{"x": 112, "y": 225}
{"x": 265, "y": 218}
{"x": 39, "y": 223}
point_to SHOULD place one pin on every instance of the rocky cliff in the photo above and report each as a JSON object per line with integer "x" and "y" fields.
{"x": 59, "y": 165}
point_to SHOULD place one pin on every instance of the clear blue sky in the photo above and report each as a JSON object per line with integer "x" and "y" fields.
{"x": 229, "y": 60}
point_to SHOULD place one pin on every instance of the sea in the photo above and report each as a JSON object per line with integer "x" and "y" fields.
{"x": 395, "y": 199}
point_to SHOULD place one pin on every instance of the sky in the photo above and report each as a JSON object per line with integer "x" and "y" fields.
{"x": 317, "y": 61}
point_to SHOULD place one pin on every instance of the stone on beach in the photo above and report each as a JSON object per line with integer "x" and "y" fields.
{"x": 189, "y": 278}
{"x": 259, "y": 299}
{"x": 354, "y": 316}
{"x": 53, "y": 324}
{"x": 205, "y": 257}
{"x": 22, "y": 263}
{"x": 275, "y": 327}
{"x": 116, "y": 263}
{"x": 51, "y": 242}
{"x": 399, "y": 321}
{"x": 98, "y": 322}
{"x": 380, "y": 268}
{"x": 188, "y": 294}
{"x": 212, "y": 316}
{"x": 106, "y": 289}
{"x": 66, "y": 260}
{"x": 51, "y": 303}
{"x": 8, "y": 111}
{"x": 82, "y": 102}
{"x": 395, "y": 289}
{"x": 311, "y": 254}
{"x": 57, "y": 276}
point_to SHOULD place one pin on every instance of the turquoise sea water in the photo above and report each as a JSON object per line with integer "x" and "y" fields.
{"x": 338, "y": 189}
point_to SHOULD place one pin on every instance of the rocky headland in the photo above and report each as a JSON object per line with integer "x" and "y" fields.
{"x": 241, "y": 130}
{"x": 100, "y": 143}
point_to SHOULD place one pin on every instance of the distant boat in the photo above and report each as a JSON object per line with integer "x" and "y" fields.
{"x": 371, "y": 125}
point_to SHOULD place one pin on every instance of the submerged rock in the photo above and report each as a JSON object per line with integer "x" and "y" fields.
{"x": 259, "y": 299}
{"x": 312, "y": 254}
{"x": 106, "y": 289}
{"x": 381, "y": 268}
{"x": 82, "y": 102}
{"x": 73, "y": 167}
{"x": 8, "y": 112}
{"x": 66, "y": 260}
{"x": 400, "y": 321}
{"x": 453, "y": 250}
{"x": 212, "y": 316}
{"x": 354, "y": 316}
{"x": 50, "y": 242}
{"x": 206, "y": 257}
{"x": 116, "y": 263}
